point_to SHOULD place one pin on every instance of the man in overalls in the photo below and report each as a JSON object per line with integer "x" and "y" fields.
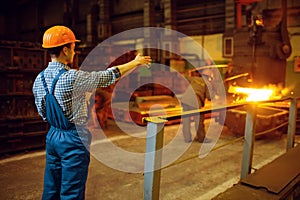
{"x": 60, "y": 97}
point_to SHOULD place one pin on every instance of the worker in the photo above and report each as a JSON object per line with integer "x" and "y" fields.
{"x": 194, "y": 98}
{"x": 228, "y": 74}
{"x": 60, "y": 98}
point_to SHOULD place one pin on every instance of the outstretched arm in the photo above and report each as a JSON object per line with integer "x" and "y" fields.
{"x": 138, "y": 60}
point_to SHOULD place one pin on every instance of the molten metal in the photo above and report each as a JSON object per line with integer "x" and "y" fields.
{"x": 253, "y": 94}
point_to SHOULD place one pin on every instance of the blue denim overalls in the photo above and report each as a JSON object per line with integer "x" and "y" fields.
{"x": 67, "y": 152}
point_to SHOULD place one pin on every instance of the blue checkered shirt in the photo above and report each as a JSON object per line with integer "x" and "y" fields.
{"x": 71, "y": 89}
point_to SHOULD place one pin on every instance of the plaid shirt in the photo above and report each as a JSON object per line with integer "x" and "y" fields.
{"x": 71, "y": 89}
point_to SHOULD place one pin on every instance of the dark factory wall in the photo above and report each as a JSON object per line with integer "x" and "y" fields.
{"x": 26, "y": 20}
{"x": 206, "y": 21}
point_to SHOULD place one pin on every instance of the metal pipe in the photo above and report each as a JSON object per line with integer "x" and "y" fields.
{"x": 236, "y": 77}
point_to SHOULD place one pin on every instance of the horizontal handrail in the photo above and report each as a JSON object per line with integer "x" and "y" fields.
{"x": 206, "y": 110}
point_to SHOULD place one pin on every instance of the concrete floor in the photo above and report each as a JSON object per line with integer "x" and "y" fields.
{"x": 21, "y": 176}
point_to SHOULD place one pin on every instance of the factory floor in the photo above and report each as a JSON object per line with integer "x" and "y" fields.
{"x": 190, "y": 178}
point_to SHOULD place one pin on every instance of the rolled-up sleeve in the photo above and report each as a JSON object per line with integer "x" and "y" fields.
{"x": 87, "y": 81}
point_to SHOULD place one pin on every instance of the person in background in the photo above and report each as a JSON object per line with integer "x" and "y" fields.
{"x": 60, "y": 98}
{"x": 228, "y": 74}
{"x": 228, "y": 82}
{"x": 197, "y": 86}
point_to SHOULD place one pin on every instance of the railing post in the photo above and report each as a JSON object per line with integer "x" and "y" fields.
{"x": 249, "y": 140}
{"x": 153, "y": 159}
{"x": 292, "y": 124}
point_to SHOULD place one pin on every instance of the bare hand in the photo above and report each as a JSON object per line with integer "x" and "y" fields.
{"x": 143, "y": 60}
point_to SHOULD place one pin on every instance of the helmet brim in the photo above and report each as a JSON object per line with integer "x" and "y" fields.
{"x": 53, "y": 46}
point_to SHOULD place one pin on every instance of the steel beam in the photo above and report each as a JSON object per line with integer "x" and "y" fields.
{"x": 153, "y": 159}
{"x": 249, "y": 140}
{"x": 292, "y": 124}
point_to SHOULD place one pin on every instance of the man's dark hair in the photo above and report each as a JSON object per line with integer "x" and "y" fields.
{"x": 56, "y": 50}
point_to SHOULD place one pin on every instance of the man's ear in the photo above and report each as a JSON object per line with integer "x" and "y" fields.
{"x": 65, "y": 50}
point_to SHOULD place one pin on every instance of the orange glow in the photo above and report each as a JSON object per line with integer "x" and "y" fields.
{"x": 253, "y": 94}
{"x": 259, "y": 22}
{"x": 267, "y": 92}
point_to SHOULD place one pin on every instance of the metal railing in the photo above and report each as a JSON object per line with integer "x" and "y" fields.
{"x": 155, "y": 135}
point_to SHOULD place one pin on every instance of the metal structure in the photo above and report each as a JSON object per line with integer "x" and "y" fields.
{"x": 154, "y": 143}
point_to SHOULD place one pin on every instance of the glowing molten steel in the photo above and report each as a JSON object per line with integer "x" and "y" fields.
{"x": 253, "y": 94}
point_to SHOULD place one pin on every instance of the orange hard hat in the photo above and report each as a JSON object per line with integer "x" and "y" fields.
{"x": 58, "y": 36}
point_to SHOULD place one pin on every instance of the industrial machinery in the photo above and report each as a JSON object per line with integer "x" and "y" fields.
{"x": 258, "y": 63}
{"x": 261, "y": 47}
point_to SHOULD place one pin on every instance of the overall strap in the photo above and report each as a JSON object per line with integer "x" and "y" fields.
{"x": 54, "y": 113}
{"x": 44, "y": 82}
{"x": 63, "y": 70}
